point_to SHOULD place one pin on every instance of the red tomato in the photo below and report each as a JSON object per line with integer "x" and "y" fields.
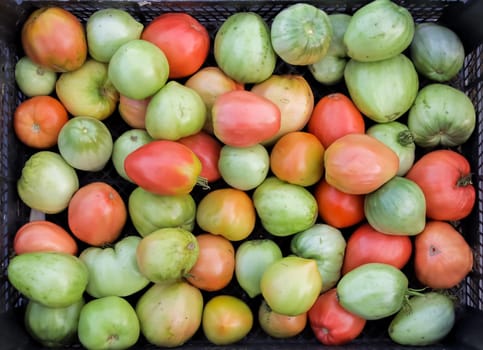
{"x": 442, "y": 257}
{"x": 331, "y": 323}
{"x": 207, "y": 149}
{"x": 43, "y": 236}
{"x": 445, "y": 178}
{"x": 163, "y": 167}
{"x": 337, "y": 208}
{"x": 298, "y": 158}
{"x": 241, "y": 118}
{"x": 367, "y": 245}
{"x": 182, "y": 38}
{"x": 335, "y": 115}
{"x": 37, "y": 121}
{"x": 133, "y": 111}
{"x": 96, "y": 214}
{"x": 359, "y": 164}
{"x": 55, "y": 39}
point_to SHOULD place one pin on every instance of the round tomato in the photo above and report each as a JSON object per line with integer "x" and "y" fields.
{"x": 215, "y": 265}
{"x": 367, "y": 245}
{"x": 182, "y": 38}
{"x": 133, "y": 111}
{"x": 337, "y": 208}
{"x": 96, "y": 214}
{"x": 298, "y": 158}
{"x": 42, "y": 236}
{"x": 335, "y": 115}
{"x": 442, "y": 257}
{"x": 54, "y": 38}
{"x": 331, "y": 323}
{"x": 280, "y": 326}
{"x": 228, "y": 212}
{"x": 445, "y": 178}
{"x": 37, "y": 121}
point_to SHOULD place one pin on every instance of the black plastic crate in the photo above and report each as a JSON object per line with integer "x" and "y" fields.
{"x": 462, "y": 16}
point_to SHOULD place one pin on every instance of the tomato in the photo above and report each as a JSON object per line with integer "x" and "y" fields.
{"x": 33, "y": 79}
{"x": 228, "y": 212}
{"x": 242, "y": 118}
{"x": 133, "y": 111}
{"x": 215, "y": 265}
{"x": 335, "y": 115}
{"x": 442, "y": 257}
{"x": 163, "y": 167}
{"x": 182, "y": 38}
{"x": 445, "y": 178}
{"x": 96, "y": 214}
{"x": 337, "y": 208}
{"x": 54, "y": 38}
{"x": 366, "y": 245}
{"x": 359, "y": 164}
{"x": 298, "y": 158}
{"x": 280, "y": 326}
{"x": 37, "y": 121}
{"x": 40, "y": 236}
{"x": 331, "y": 323}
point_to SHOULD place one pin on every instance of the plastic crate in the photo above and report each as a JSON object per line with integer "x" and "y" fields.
{"x": 462, "y": 16}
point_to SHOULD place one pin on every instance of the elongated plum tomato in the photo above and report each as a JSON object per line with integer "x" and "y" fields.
{"x": 54, "y": 38}
{"x": 182, "y": 38}
{"x": 359, "y": 164}
{"x": 242, "y": 118}
{"x": 335, "y": 115}
{"x": 96, "y": 214}
{"x": 43, "y": 236}
{"x": 163, "y": 167}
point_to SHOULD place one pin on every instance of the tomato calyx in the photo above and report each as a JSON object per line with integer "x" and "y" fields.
{"x": 464, "y": 180}
{"x": 405, "y": 138}
{"x": 203, "y": 182}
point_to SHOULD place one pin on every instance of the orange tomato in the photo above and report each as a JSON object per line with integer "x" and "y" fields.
{"x": 280, "y": 326}
{"x": 43, "y": 236}
{"x": 337, "y": 208}
{"x": 96, "y": 214}
{"x": 133, "y": 111}
{"x": 37, "y": 121}
{"x": 215, "y": 265}
{"x": 298, "y": 158}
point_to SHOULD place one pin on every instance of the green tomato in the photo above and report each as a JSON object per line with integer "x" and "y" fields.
{"x": 114, "y": 270}
{"x": 32, "y": 79}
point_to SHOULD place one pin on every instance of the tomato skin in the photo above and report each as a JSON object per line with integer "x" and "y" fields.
{"x": 442, "y": 257}
{"x": 335, "y": 115}
{"x": 280, "y": 326}
{"x": 54, "y": 38}
{"x": 133, "y": 111}
{"x": 242, "y": 118}
{"x": 96, "y": 214}
{"x": 182, "y": 38}
{"x": 42, "y": 236}
{"x": 331, "y": 323}
{"x": 337, "y": 208}
{"x": 215, "y": 265}
{"x": 37, "y": 121}
{"x": 163, "y": 167}
{"x": 367, "y": 245}
{"x": 445, "y": 178}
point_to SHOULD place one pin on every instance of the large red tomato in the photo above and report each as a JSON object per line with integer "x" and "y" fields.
{"x": 182, "y": 38}
{"x": 331, "y": 323}
{"x": 442, "y": 257}
{"x": 367, "y": 245}
{"x": 96, "y": 214}
{"x": 445, "y": 178}
{"x": 55, "y": 39}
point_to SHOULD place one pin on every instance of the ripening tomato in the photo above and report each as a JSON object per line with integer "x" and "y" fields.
{"x": 37, "y": 121}
{"x": 331, "y": 323}
{"x": 335, "y": 115}
{"x": 182, "y": 38}
{"x": 215, "y": 265}
{"x": 43, "y": 236}
{"x": 133, "y": 111}
{"x": 442, "y": 257}
{"x": 96, "y": 214}
{"x": 228, "y": 212}
{"x": 298, "y": 158}
{"x": 337, "y": 208}
{"x": 278, "y": 325}
{"x": 367, "y": 245}
{"x": 55, "y": 39}
{"x": 445, "y": 178}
